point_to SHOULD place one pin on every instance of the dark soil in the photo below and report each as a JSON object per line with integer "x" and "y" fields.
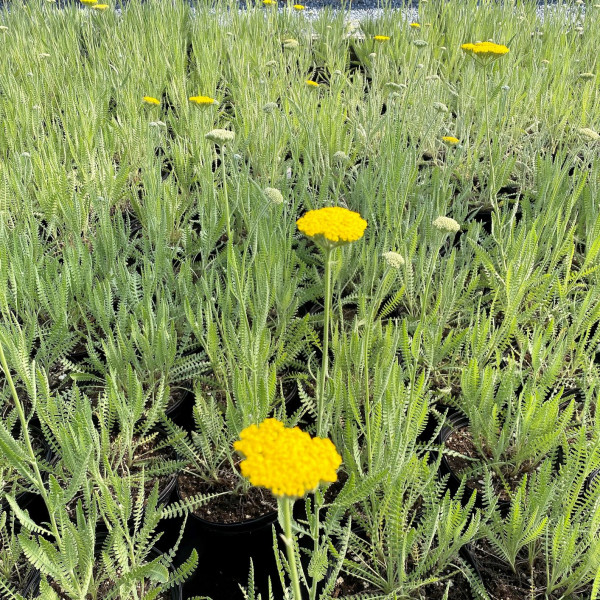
{"x": 232, "y": 507}
{"x": 503, "y": 584}
{"x": 461, "y": 440}
{"x": 347, "y": 585}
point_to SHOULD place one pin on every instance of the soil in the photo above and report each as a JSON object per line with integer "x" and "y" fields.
{"x": 461, "y": 440}
{"x": 348, "y": 585}
{"x": 503, "y": 584}
{"x": 230, "y": 508}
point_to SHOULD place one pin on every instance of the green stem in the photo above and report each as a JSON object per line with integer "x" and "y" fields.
{"x": 325, "y": 359}
{"x": 285, "y": 504}
{"x": 368, "y": 394}
{"x": 227, "y": 215}
{"x": 492, "y": 185}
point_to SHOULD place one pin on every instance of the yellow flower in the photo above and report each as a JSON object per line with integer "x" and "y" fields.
{"x": 270, "y": 2}
{"x": 299, "y": 7}
{"x": 89, "y": 2}
{"x": 312, "y": 83}
{"x": 151, "y": 100}
{"x": 450, "y": 140}
{"x": 286, "y": 460}
{"x": 202, "y": 100}
{"x": 415, "y": 26}
{"x": 100, "y": 6}
{"x": 332, "y": 224}
{"x": 381, "y": 38}
{"x": 485, "y": 49}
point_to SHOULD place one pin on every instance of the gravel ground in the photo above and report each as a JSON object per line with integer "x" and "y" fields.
{"x": 364, "y": 9}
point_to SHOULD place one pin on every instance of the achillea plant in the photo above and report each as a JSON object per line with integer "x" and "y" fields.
{"x": 290, "y": 463}
{"x": 329, "y": 228}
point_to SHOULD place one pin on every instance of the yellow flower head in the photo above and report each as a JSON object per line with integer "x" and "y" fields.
{"x": 415, "y": 26}
{"x": 333, "y": 225}
{"x": 202, "y": 100}
{"x": 485, "y": 49}
{"x": 312, "y": 83}
{"x": 151, "y": 100}
{"x": 89, "y": 2}
{"x": 100, "y": 6}
{"x": 286, "y": 460}
{"x": 381, "y": 38}
{"x": 270, "y": 2}
{"x": 299, "y": 6}
{"x": 449, "y": 139}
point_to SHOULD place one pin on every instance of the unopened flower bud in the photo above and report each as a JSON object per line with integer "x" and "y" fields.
{"x": 274, "y": 195}
{"x": 446, "y": 224}
{"x": 393, "y": 259}
{"x": 220, "y": 136}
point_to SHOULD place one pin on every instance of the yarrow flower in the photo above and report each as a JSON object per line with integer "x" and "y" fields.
{"x": 274, "y": 195}
{"x": 396, "y": 87}
{"x": 381, "y": 38}
{"x": 312, "y": 83}
{"x": 340, "y": 157}
{"x": 332, "y": 225}
{"x": 485, "y": 49}
{"x": 446, "y": 224}
{"x": 420, "y": 43}
{"x": 290, "y": 43}
{"x": 440, "y": 107}
{"x": 270, "y": 107}
{"x": 590, "y": 134}
{"x": 220, "y": 136}
{"x": 202, "y": 100}
{"x": 449, "y": 139}
{"x": 587, "y": 76}
{"x": 286, "y": 460}
{"x": 393, "y": 259}
{"x": 151, "y": 100}
{"x": 415, "y": 26}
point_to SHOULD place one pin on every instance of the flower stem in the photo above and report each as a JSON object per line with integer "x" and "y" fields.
{"x": 227, "y": 216}
{"x": 285, "y": 505}
{"x": 325, "y": 359}
{"x": 492, "y": 186}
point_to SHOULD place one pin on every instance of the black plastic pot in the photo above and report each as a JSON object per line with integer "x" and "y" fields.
{"x": 32, "y": 587}
{"x": 225, "y": 551}
{"x": 459, "y": 421}
{"x": 181, "y": 412}
{"x": 228, "y": 529}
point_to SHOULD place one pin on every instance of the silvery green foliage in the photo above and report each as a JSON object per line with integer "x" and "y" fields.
{"x": 79, "y": 562}
{"x": 514, "y": 420}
